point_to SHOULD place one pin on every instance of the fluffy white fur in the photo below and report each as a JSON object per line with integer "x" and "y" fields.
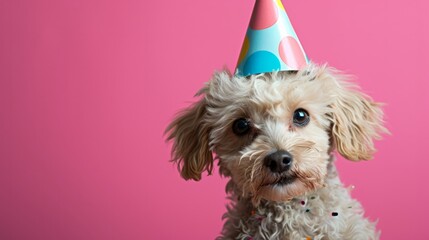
{"x": 314, "y": 205}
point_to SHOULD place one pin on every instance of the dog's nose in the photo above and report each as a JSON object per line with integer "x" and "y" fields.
{"x": 279, "y": 161}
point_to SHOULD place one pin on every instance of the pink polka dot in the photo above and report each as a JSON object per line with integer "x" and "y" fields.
{"x": 264, "y": 15}
{"x": 291, "y": 53}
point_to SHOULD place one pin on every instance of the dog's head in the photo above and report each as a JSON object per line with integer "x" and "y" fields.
{"x": 274, "y": 133}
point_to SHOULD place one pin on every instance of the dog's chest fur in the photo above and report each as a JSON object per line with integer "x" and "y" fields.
{"x": 327, "y": 213}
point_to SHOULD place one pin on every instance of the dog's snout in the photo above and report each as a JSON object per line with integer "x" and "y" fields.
{"x": 279, "y": 161}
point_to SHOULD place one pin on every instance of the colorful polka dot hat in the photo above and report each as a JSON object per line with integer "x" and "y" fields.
{"x": 270, "y": 44}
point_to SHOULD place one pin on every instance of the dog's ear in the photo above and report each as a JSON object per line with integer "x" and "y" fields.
{"x": 191, "y": 142}
{"x": 356, "y": 120}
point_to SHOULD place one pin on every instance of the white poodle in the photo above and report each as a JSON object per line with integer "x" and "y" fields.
{"x": 274, "y": 135}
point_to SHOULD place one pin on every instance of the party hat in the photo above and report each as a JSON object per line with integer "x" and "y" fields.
{"x": 270, "y": 44}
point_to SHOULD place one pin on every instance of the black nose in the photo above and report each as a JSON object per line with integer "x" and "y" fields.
{"x": 279, "y": 161}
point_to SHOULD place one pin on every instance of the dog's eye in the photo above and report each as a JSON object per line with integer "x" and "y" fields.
{"x": 241, "y": 126}
{"x": 301, "y": 117}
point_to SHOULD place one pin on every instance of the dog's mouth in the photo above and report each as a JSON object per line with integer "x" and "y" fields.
{"x": 285, "y": 180}
{"x": 281, "y": 181}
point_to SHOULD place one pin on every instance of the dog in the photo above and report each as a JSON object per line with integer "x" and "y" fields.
{"x": 274, "y": 136}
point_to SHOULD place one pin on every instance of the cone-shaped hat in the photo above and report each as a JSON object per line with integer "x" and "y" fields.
{"x": 270, "y": 44}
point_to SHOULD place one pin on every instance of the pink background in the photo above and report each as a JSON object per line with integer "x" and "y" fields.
{"x": 87, "y": 88}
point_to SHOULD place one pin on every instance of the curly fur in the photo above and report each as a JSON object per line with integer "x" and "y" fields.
{"x": 341, "y": 118}
{"x": 305, "y": 217}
